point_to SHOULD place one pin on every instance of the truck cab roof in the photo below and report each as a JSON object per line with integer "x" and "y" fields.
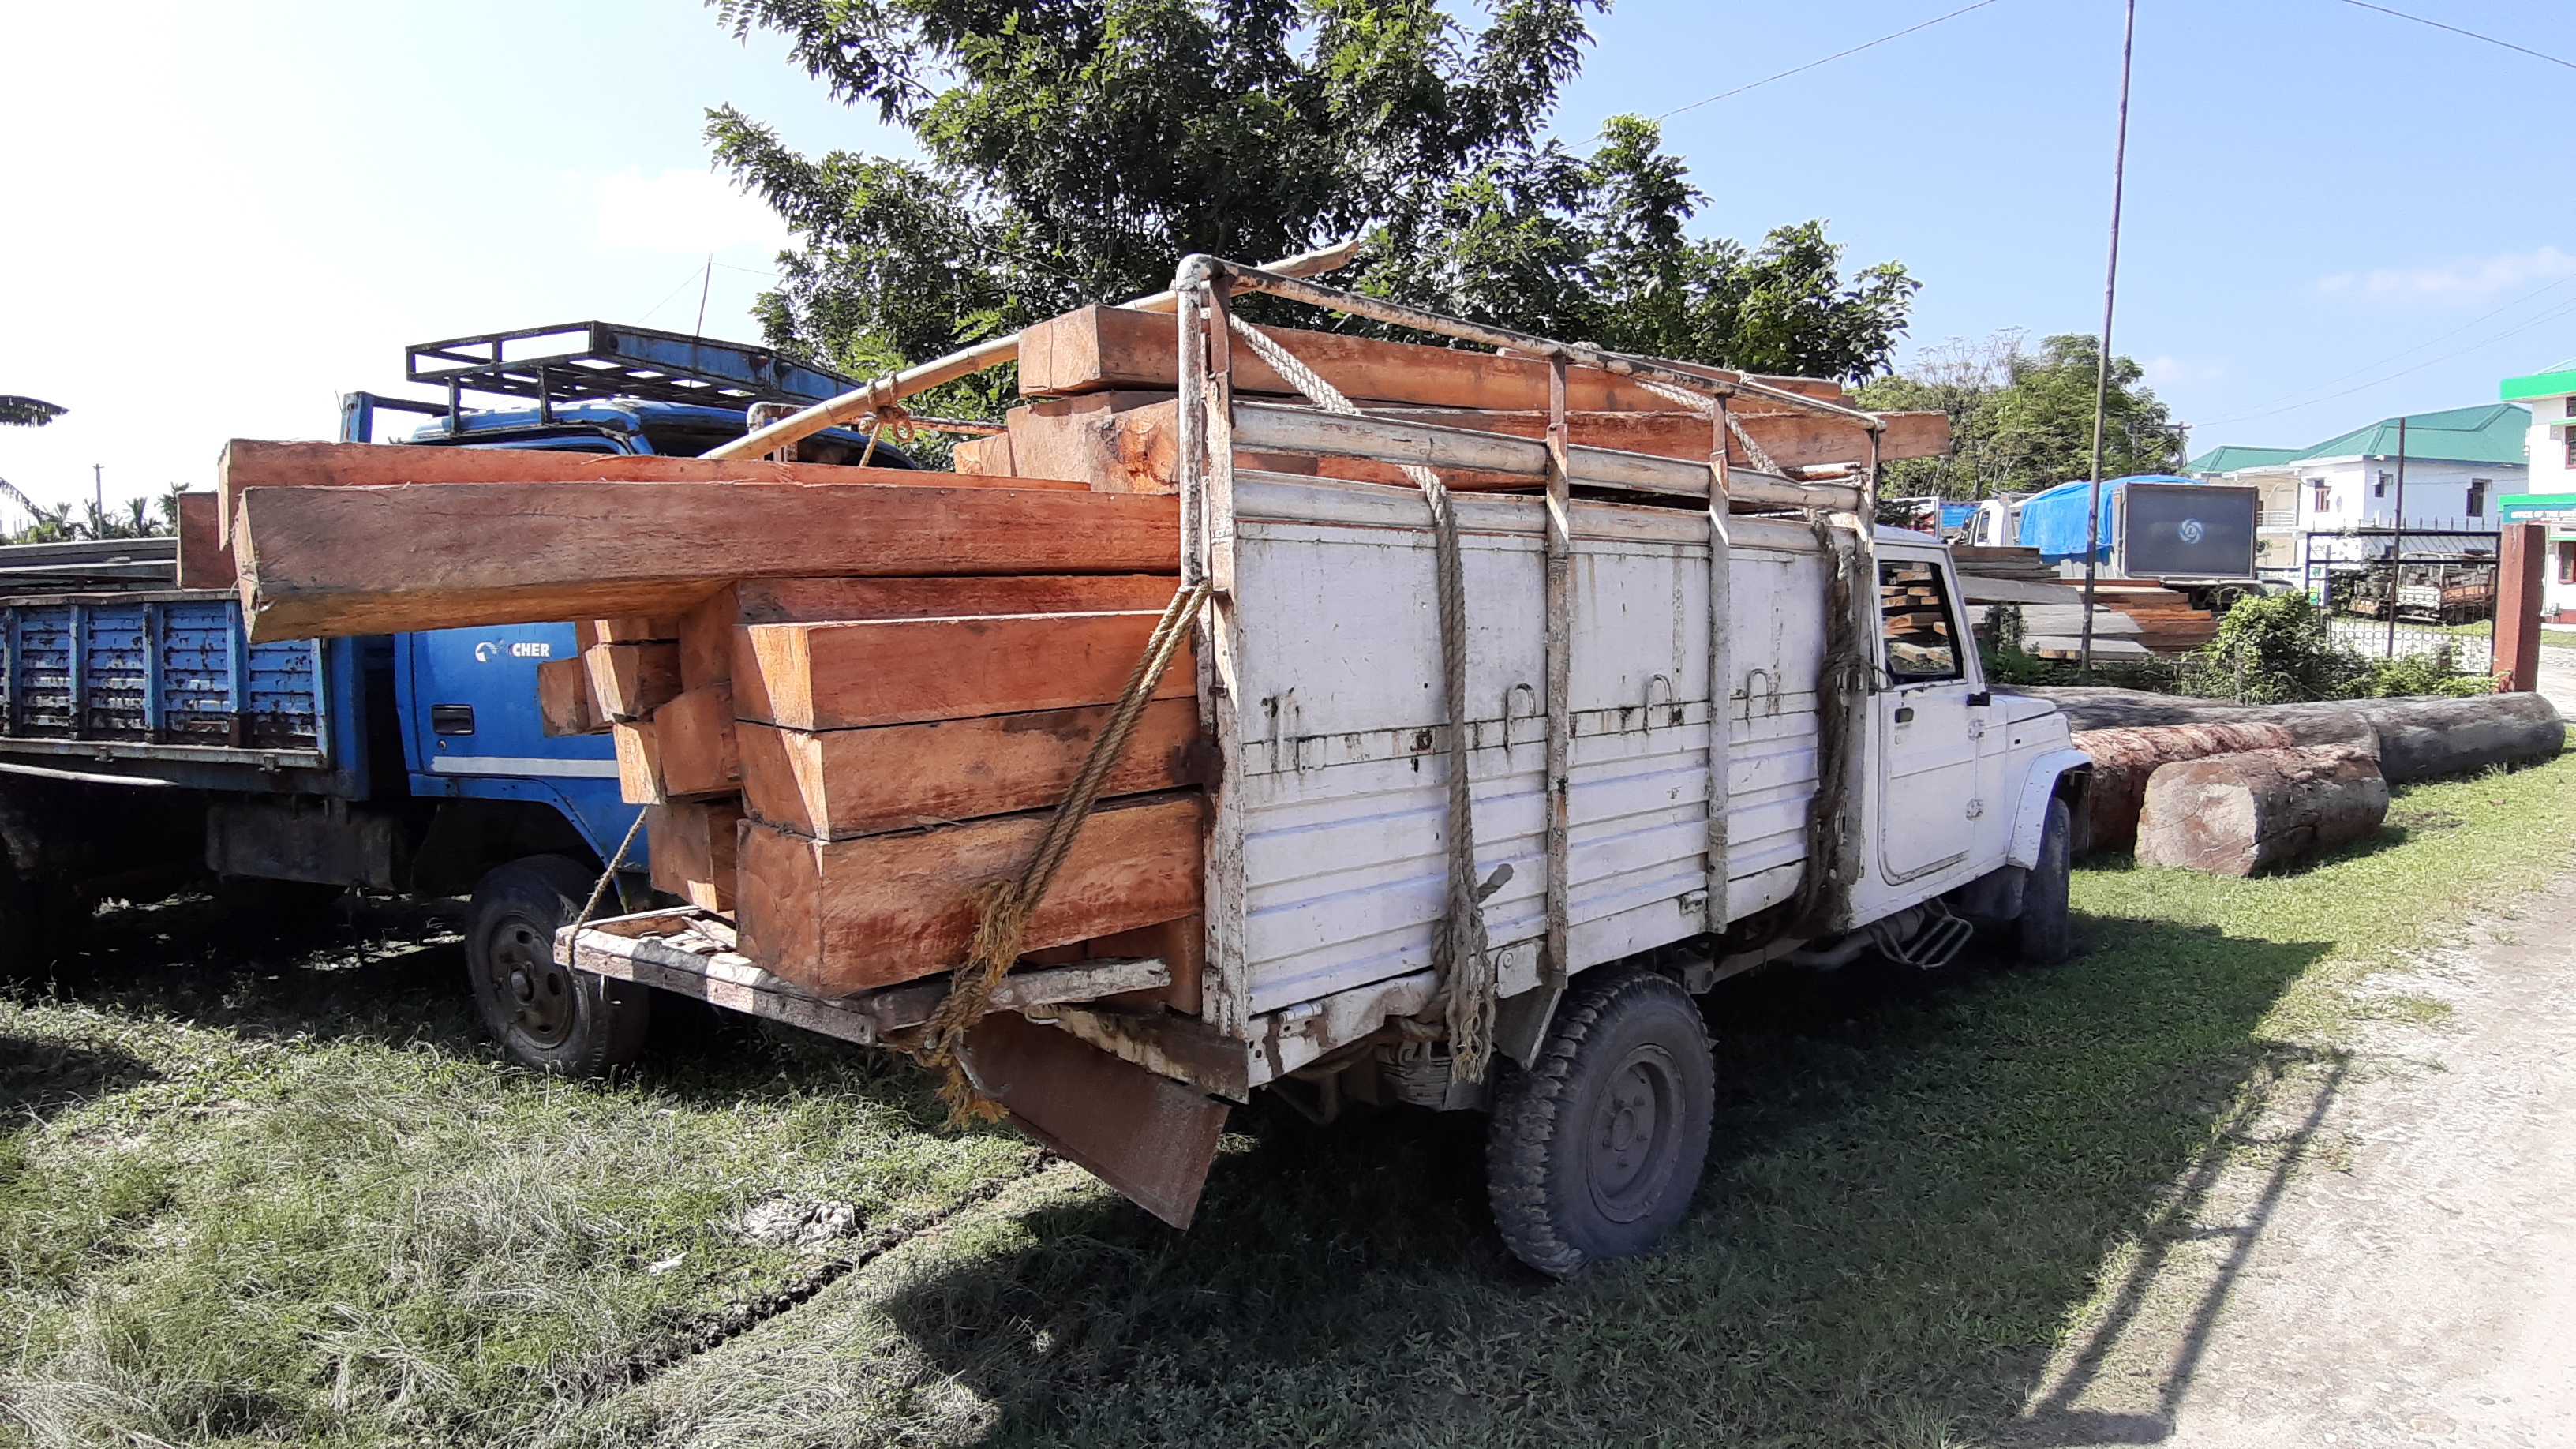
{"x": 633, "y": 426}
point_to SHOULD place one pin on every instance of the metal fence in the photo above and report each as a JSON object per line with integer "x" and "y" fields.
{"x": 2470, "y": 653}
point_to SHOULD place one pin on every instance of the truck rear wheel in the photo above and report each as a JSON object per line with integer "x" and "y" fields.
{"x": 1597, "y": 1147}
{"x": 2046, "y": 932}
{"x": 546, "y": 1015}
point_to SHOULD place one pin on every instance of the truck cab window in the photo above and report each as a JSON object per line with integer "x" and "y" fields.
{"x": 1915, "y": 620}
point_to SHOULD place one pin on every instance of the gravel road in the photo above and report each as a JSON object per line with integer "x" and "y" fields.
{"x": 2399, "y": 1268}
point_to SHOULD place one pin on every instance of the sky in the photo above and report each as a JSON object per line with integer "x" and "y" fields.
{"x": 219, "y": 217}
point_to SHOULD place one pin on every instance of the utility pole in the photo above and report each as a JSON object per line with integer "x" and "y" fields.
{"x": 98, "y": 491}
{"x": 2102, "y": 363}
{"x": 2397, "y": 542}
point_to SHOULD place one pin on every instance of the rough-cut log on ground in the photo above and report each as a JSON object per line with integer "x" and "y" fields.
{"x": 322, "y": 562}
{"x": 835, "y": 917}
{"x": 2124, "y": 760}
{"x": 835, "y": 676}
{"x": 691, "y": 849}
{"x": 1129, "y": 441}
{"x": 204, "y": 562}
{"x": 694, "y": 734}
{"x": 565, "y": 703}
{"x": 836, "y": 784}
{"x": 253, "y": 463}
{"x": 2237, "y": 814}
{"x": 1093, "y": 349}
{"x": 2419, "y": 737}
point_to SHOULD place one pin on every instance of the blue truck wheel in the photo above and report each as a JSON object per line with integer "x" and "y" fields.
{"x": 546, "y": 1015}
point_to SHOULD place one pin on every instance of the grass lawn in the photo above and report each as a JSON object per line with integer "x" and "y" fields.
{"x": 281, "y": 1191}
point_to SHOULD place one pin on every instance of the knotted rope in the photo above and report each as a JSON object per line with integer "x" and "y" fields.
{"x": 888, "y": 417}
{"x": 1006, "y": 906}
{"x": 1704, "y": 406}
{"x": 1460, "y": 950}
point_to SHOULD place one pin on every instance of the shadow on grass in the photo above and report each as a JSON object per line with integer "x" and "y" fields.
{"x": 1916, "y": 1183}
{"x": 40, "y": 1076}
{"x": 392, "y": 973}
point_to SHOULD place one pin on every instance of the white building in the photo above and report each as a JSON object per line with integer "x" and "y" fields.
{"x": 2552, "y": 495}
{"x": 2322, "y": 503}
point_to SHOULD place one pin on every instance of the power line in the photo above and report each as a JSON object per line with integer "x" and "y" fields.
{"x": 2300, "y": 397}
{"x": 1837, "y": 55}
{"x": 2455, "y": 30}
{"x": 2552, "y": 315}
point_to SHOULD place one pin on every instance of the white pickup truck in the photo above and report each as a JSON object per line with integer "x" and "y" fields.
{"x": 1869, "y": 792}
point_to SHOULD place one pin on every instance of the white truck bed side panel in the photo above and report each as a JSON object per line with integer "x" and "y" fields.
{"x": 1343, "y": 762}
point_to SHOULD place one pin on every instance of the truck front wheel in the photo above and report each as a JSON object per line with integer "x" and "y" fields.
{"x": 1597, "y": 1147}
{"x": 2046, "y": 931}
{"x": 546, "y": 1015}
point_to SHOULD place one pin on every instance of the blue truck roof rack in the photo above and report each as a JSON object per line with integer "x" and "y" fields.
{"x": 584, "y": 361}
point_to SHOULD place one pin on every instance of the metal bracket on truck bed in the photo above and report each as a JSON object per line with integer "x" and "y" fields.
{"x": 1142, "y": 1133}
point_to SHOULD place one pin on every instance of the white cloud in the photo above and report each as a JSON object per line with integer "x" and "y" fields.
{"x": 683, "y": 211}
{"x": 2175, "y": 371}
{"x": 2463, "y": 282}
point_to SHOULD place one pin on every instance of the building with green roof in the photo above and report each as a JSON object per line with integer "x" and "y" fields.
{"x": 2458, "y": 463}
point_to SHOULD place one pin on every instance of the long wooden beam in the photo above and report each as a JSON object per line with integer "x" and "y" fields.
{"x": 322, "y": 562}
{"x": 1100, "y": 349}
{"x": 1129, "y": 442}
{"x": 255, "y": 463}
{"x": 1271, "y": 428}
{"x": 834, "y": 917}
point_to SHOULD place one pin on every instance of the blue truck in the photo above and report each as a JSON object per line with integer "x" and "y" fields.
{"x": 146, "y": 745}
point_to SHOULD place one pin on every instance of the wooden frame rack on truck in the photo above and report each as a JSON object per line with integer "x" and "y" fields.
{"x": 1355, "y": 719}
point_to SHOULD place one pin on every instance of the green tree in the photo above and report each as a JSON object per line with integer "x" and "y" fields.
{"x": 1073, "y": 150}
{"x": 2022, "y": 421}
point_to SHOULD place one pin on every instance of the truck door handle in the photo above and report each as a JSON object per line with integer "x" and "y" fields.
{"x": 1904, "y": 714}
{"x": 451, "y": 719}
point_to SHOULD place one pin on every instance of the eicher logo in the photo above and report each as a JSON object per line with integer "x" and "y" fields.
{"x": 487, "y": 651}
{"x": 2191, "y": 530}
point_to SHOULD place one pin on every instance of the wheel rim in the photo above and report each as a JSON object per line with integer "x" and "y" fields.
{"x": 534, "y": 991}
{"x": 1636, "y": 1120}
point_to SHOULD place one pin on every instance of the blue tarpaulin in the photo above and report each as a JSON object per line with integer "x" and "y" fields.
{"x": 2053, "y": 521}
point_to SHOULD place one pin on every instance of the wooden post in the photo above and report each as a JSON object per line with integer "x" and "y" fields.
{"x": 1721, "y": 666}
{"x": 1226, "y": 1002}
{"x": 1554, "y": 967}
{"x": 2520, "y": 557}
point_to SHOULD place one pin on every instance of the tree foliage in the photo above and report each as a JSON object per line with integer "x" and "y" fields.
{"x": 1074, "y": 150}
{"x": 2021, "y": 421}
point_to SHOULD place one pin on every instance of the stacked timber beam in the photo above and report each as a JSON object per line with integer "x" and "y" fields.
{"x": 849, "y": 698}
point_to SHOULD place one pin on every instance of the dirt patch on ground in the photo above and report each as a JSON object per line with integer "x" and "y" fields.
{"x": 2399, "y": 1267}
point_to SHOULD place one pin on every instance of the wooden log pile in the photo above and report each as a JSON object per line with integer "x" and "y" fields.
{"x": 2125, "y": 760}
{"x": 2416, "y": 739}
{"x": 850, "y": 697}
{"x": 2236, "y": 814}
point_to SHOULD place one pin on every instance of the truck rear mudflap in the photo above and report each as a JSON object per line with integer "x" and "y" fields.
{"x": 1146, "y": 1135}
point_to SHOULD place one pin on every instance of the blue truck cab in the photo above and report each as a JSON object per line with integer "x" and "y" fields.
{"x": 146, "y": 744}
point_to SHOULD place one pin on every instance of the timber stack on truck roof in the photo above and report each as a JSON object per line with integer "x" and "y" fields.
{"x": 1259, "y": 708}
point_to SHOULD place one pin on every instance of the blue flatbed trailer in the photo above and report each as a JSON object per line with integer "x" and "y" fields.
{"x": 145, "y": 743}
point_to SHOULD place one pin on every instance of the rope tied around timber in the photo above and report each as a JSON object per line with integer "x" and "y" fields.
{"x": 1004, "y": 907}
{"x": 1460, "y": 950}
{"x": 1704, "y": 406}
